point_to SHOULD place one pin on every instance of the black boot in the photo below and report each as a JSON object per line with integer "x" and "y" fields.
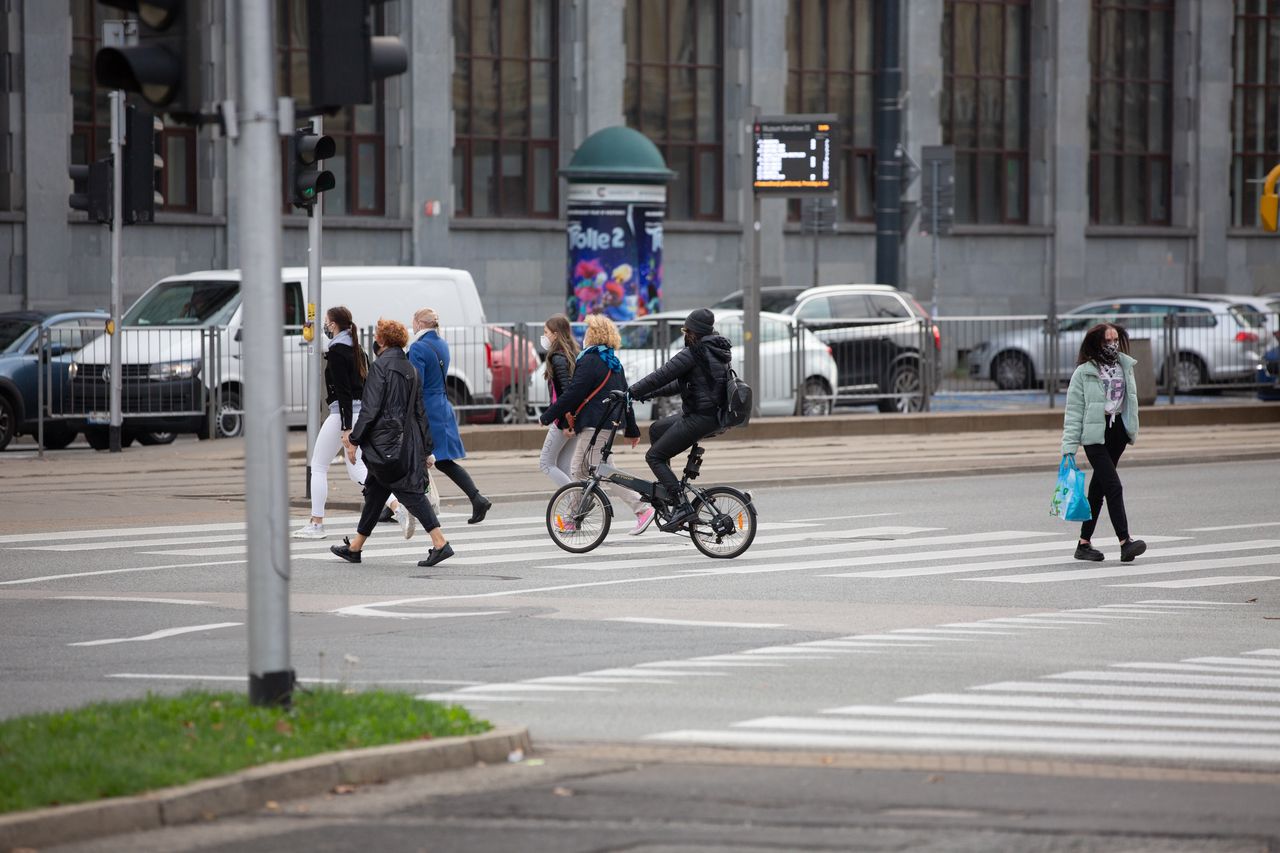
{"x": 1088, "y": 552}
{"x": 681, "y": 514}
{"x": 479, "y": 509}
{"x": 1132, "y": 548}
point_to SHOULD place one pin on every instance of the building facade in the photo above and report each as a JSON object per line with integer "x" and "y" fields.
{"x": 1102, "y": 146}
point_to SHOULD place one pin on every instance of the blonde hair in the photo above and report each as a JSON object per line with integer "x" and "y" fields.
{"x": 392, "y": 333}
{"x": 601, "y": 330}
{"x": 427, "y": 317}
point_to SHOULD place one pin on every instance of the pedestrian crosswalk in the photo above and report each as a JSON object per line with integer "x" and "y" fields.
{"x": 1200, "y": 709}
{"x": 852, "y": 550}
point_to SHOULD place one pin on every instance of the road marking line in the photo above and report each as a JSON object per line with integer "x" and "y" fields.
{"x": 1068, "y": 703}
{"x": 1128, "y": 690}
{"x": 954, "y": 745}
{"x": 121, "y": 571}
{"x": 586, "y": 679}
{"x": 896, "y": 638}
{"x": 1234, "y": 527}
{"x": 628, "y": 672}
{"x": 973, "y": 633}
{"x": 848, "y": 644}
{"x": 159, "y": 635}
{"x": 960, "y": 553}
{"x": 127, "y": 598}
{"x": 476, "y": 698}
{"x": 1197, "y": 667}
{"x": 959, "y": 729}
{"x": 1187, "y": 583}
{"x": 860, "y": 515}
{"x": 133, "y": 543}
{"x": 695, "y": 624}
{"x": 1189, "y": 603}
{"x": 114, "y": 532}
{"x": 1167, "y": 678}
{"x": 1236, "y": 661}
{"x": 1147, "y": 569}
{"x": 526, "y": 687}
{"x": 704, "y": 663}
{"x": 244, "y": 679}
{"x": 898, "y": 710}
{"x": 1264, "y": 652}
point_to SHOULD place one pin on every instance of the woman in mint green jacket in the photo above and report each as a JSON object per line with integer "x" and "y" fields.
{"x": 1102, "y": 415}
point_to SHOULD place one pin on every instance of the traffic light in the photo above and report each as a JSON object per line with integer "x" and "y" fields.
{"x": 164, "y": 66}
{"x": 344, "y": 58}
{"x": 91, "y": 189}
{"x": 306, "y": 179}
{"x": 1269, "y": 203}
{"x": 142, "y": 171}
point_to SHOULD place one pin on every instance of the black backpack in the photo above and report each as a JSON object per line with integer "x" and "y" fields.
{"x": 735, "y": 409}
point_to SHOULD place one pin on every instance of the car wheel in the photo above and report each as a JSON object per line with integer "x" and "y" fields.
{"x": 905, "y": 389}
{"x": 58, "y": 435}
{"x": 8, "y": 422}
{"x": 817, "y": 399}
{"x": 1189, "y": 373}
{"x": 1012, "y": 371}
{"x": 511, "y": 411}
{"x": 148, "y": 439}
{"x": 229, "y": 421}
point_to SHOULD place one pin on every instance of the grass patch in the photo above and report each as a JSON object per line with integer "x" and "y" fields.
{"x": 111, "y": 749}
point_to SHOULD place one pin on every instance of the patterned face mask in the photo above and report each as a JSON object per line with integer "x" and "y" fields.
{"x": 1111, "y": 349}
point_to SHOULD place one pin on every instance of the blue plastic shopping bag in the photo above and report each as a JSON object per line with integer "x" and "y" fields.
{"x": 1070, "y": 503}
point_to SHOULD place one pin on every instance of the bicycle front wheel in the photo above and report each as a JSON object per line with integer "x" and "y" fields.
{"x": 577, "y": 520}
{"x": 725, "y": 525}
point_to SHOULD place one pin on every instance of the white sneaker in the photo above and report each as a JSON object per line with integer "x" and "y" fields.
{"x": 311, "y": 531}
{"x": 408, "y": 523}
{"x": 643, "y": 520}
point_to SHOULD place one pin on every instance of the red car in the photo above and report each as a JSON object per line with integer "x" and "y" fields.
{"x": 511, "y": 357}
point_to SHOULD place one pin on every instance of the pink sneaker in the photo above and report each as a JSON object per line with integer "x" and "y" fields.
{"x": 643, "y": 520}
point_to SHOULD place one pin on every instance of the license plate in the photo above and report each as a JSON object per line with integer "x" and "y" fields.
{"x": 99, "y": 418}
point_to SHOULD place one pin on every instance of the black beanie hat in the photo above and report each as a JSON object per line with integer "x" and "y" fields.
{"x": 700, "y": 321}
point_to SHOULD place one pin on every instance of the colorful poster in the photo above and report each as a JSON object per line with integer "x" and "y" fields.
{"x": 615, "y": 251}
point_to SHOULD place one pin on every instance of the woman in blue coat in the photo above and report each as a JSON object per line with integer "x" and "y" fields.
{"x": 429, "y": 354}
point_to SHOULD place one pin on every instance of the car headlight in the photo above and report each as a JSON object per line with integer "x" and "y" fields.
{"x": 163, "y": 370}
{"x": 72, "y": 370}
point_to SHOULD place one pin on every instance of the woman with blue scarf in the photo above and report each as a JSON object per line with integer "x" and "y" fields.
{"x": 598, "y": 372}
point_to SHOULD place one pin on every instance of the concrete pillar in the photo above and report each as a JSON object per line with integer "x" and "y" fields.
{"x": 46, "y": 82}
{"x": 1070, "y": 154}
{"x": 921, "y": 125}
{"x": 1211, "y": 111}
{"x": 767, "y": 69}
{"x": 429, "y": 88}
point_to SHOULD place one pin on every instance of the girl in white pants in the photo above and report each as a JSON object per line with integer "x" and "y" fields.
{"x": 556, "y": 460}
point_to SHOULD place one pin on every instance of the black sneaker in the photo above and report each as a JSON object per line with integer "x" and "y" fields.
{"x": 437, "y": 555}
{"x": 479, "y": 509}
{"x": 344, "y": 550}
{"x": 1088, "y": 552}
{"x": 677, "y": 519}
{"x": 1132, "y": 548}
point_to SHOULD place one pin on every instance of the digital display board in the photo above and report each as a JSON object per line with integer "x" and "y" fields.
{"x": 794, "y": 155}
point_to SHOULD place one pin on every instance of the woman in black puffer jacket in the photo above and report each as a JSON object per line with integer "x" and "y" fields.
{"x": 556, "y": 460}
{"x": 698, "y": 374}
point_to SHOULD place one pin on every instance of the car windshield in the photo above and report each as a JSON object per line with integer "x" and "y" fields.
{"x": 10, "y": 331}
{"x": 186, "y": 303}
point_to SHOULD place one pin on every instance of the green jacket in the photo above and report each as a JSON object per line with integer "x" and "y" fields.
{"x": 1085, "y": 421}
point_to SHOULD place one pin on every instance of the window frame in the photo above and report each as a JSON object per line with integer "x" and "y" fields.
{"x": 1250, "y": 163}
{"x": 1127, "y": 158}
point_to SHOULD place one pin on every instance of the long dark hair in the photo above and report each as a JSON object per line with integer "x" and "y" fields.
{"x": 340, "y": 316}
{"x": 1091, "y": 346}
{"x": 562, "y": 341}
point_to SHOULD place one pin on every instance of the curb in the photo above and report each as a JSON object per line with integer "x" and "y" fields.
{"x": 249, "y": 789}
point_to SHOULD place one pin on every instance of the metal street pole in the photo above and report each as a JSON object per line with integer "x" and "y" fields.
{"x": 933, "y": 235}
{"x": 315, "y": 388}
{"x": 271, "y": 678}
{"x": 888, "y": 148}
{"x": 117, "y": 222}
{"x": 751, "y": 286}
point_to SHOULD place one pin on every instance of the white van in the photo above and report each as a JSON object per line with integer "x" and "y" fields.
{"x": 181, "y": 350}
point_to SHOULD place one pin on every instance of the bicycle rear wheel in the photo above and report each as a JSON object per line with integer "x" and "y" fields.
{"x": 725, "y": 525}
{"x": 576, "y": 523}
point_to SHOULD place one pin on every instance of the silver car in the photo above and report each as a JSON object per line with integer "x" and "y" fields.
{"x": 1215, "y": 341}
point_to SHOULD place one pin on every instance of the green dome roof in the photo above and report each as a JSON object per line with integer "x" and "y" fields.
{"x": 618, "y": 155}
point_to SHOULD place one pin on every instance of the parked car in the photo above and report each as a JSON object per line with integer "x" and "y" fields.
{"x": 1268, "y": 375}
{"x": 1267, "y": 307}
{"x": 1218, "y": 340}
{"x": 515, "y": 362}
{"x": 647, "y": 343}
{"x": 773, "y": 299}
{"x": 20, "y": 360}
{"x": 884, "y": 342}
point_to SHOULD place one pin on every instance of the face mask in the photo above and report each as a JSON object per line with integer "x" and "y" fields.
{"x": 545, "y": 341}
{"x": 1111, "y": 349}
{"x": 328, "y": 333}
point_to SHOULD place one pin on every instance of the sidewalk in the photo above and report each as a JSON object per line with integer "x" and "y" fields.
{"x": 203, "y": 481}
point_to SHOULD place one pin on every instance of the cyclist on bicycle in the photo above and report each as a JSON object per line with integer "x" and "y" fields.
{"x": 698, "y": 374}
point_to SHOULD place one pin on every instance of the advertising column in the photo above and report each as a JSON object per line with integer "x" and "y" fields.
{"x": 615, "y": 250}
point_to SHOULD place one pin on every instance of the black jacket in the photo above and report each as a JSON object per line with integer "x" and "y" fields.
{"x": 561, "y": 377}
{"x": 697, "y": 373}
{"x": 587, "y": 376}
{"x": 393, "y": 391}
{"x": 342, "y": 380}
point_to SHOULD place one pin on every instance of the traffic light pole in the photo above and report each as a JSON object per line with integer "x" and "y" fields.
{"x": 117, "y": 222}
{"x": 315, "y": 388}
{"x": 271, "y": 678}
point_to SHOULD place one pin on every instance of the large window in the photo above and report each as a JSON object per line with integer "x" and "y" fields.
{"x": 831, "y": 69}
{"x": 1130, "y": 112}
{"x": 91, "y": 112}
{"x": 359, "y": 165}
{"x": 504, "y": 103}
{"x": 1255, "y": 104}
{"x": 986, "y": 71}
{"x": 672, "y": 94}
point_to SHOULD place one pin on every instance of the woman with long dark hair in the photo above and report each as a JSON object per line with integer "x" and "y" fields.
{"x": 1102, "y": 416}
{"x": 562, "y": 349}
{"x": 345, "y": 369}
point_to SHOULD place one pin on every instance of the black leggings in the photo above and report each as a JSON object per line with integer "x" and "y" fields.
{"x": 375, "y": 497}
{"x": 451, "y": 469}
{"x": 673, "y": 435}
{"x": 1105, "y": 482}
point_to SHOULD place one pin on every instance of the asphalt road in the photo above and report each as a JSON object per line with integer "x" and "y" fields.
{"x": 919, "y": 626}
